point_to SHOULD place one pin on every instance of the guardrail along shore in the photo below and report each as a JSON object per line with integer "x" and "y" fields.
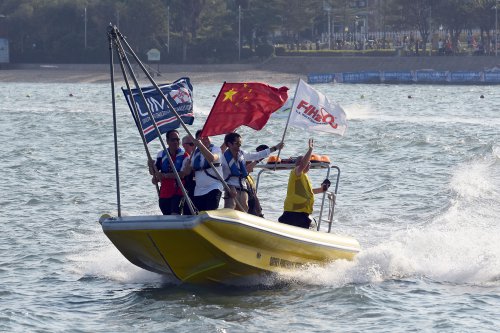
{"x": 491, "y": 76}
{"x": 435, "y": 69}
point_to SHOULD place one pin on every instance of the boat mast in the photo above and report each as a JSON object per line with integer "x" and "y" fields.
{"x": 113, "y": 101}
{"x": 117, "y": 38}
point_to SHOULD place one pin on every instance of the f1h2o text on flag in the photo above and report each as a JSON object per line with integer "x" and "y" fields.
{"x": 238, "y": 104}
{"x": 315, "y": 112}
{"x": 178, "y": 93}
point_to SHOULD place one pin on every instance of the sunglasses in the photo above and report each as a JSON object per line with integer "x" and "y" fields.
{"x": 188, "y": 143}
{"x": 175, "y": 139}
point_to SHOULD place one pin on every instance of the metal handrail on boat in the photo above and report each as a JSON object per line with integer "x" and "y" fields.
{"x": 327, "y": 195}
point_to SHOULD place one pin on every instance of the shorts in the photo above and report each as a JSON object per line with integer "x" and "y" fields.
{"x": 241, "y": 196}
{"x": 297, "y": 219}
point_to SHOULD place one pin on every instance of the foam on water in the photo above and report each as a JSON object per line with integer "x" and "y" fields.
{"x": 419, "y": 190}
{"x": 459, "y": 246}
{"x": 109, "y": 263}
{"x": 103, "y": 260}
{"x": 358, "y": 111}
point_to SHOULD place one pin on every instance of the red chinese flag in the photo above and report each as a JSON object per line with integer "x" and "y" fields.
{"x": 249, "y": 104}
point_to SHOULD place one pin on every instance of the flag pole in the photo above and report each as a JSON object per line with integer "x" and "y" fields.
{"x": 210, "y": 113}
{"x": 115, "y": 135}
{"x": 287, "y": 121}
{"x": 119, "y": 37}
{"x": 218, "y": 175}
{"x": 153, "y": 82}
{"x": 135, "y": 113}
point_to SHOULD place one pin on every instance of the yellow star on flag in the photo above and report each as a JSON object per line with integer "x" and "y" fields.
{"x": 229, "y": 95}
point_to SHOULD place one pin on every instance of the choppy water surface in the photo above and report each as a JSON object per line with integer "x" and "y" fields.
{"x": 419, "y": 189}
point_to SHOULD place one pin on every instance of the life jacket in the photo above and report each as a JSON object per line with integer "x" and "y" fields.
{"x": 237, "y": 168}
{"x": 251, "y": 182}
{"x": 197, "y": 165}
{"x": 180, "y": 155}
{"x": 299, "y": 195}
{"x": 169, "y": 186}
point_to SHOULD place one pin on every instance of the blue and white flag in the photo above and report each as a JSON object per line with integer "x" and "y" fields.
{"x": 179, "y": 94}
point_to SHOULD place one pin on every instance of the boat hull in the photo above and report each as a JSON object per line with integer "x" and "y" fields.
{"x": 222, "y": 245}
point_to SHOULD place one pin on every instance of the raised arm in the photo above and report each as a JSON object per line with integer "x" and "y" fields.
{"x": 304, "y": 162}
{"x": 254, "y": 156}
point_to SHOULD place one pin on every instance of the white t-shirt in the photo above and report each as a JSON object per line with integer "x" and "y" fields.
{"x": 205, "y": 183}
{"x": 234, "y": 181}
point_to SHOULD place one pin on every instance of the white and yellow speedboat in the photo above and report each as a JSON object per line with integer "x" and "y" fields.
{"x": 219, "y": 246}
{"x": 222, "y": 245}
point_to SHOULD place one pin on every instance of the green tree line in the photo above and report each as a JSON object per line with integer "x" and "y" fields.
{"x": 208, "y": 31}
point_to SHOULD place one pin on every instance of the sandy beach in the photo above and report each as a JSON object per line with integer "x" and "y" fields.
{"x": 168, "y": 73}
{"x": 273, "y": 70}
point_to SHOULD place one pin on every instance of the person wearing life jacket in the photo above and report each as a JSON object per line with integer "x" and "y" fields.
{"x": 170, "y": 192}
{"x": 208, "y": 189}
{"x": 234, "y": 169}
{"x": 300, "y": 194}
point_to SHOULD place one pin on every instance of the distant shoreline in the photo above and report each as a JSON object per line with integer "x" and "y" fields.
{"x": 278, "y": 70}
{"x": 98, "y": 73}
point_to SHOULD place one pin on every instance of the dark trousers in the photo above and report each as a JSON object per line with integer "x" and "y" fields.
{"x": 189, "y": 185}
{"x": 209, "y": 201}
{"x": 170, "y": 205}
{"x": 297, "y": 219}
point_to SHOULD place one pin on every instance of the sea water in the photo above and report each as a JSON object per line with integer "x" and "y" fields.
{"x": 419, "y": 188}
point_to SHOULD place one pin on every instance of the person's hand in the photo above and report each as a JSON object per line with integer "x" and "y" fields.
{"x": 152, "y": 167}
{"x": 311, "y": 143}
{"x": 280, "y": 145}
{"x": 251, "y": 165}
{"x": 325, "y": 185}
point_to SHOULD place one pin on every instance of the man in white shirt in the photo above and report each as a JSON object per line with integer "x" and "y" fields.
{"x": 234, "y": 169}
{"x": 208, "y": 189}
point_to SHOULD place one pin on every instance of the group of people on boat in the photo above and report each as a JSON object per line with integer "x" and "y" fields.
{"x": 194, "y": 162}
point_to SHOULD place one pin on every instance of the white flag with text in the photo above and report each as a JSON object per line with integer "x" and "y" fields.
{"x": 315, "y": 112}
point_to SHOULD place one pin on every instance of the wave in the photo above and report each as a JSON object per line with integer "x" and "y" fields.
{"x": 459, "y": 245}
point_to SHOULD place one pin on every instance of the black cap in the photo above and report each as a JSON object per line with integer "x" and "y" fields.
{"x": 261, "y": 147}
